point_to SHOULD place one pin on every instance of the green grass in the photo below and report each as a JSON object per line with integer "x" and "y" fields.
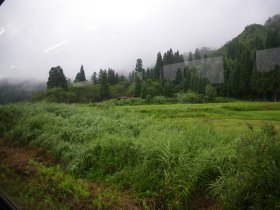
{"x": 50, "y": 188}
{"x": 225, "y": 117}
{"x": 235, "y": 110}
{"x": 167, "y": 153}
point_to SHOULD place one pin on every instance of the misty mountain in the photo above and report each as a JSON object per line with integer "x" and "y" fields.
{"x": 254, "y": 37}
{"x": 12, "y": 90}
{"x": 242, "y": 80}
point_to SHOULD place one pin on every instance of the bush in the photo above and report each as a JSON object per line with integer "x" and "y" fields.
{"x": 150, "y": 87}
{"x": 130, "y": 102}
{"x": 38, "y": 96}
{"x": 59, "y": 95}
{"x": 160, "y": 100}
{"x": 61, "y": 184}
{"x": 148, "y": 99}
{"x": 210, "y": 93}
{"x": 224, "y": 100}
{"x": 9, "y": 115}
{"x": 251, "y": 180}
{"x": 106, "y": 104}
{"x": 190, "y": 97}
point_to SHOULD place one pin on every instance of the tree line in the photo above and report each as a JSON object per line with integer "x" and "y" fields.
{"x": 107, "y": 83}
{"x": 242, "y": 80}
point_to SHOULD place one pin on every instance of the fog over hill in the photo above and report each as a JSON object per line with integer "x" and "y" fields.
{"x": 14, "y": 90}
{"x": 37, "y": 35}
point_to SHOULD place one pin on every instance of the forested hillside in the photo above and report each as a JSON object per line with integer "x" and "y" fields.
{"x": 241, "y": 77}
{"x": 14, "y": 90}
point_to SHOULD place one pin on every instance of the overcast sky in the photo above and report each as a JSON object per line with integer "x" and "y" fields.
{"x": 36, "y": 35}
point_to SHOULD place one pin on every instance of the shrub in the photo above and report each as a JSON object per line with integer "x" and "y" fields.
{"x": 190, "y": 97}
{"x": 59, "y": 95}
{"x": 160, "y": 100}
{"x": 60, "y": 183}
{"x": 38, "y": 96}
{"x": 210, "y": 92}
{"x": 148, "y": 99}
{"x": 130, "y": 102}
{"x": 9, "y": 114}
{"x": 106, "y": 104}
{"x": 251, "y": 180}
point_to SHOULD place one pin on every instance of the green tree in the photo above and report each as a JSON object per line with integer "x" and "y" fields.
{"x": 273, "y": 39}
{"x": 59, "y": 95}
{"x": 190, "y": 56}
{"x": 94, "y": 78}
{"x": 120, "y": 89}
{"x": 117, "y": 78}
{"x": 164, "y": 59}
{"x": 150, "y": 88}
{"x": 57, "y": 78}
{"x": 80, "y": 77}
{"x": 170, "y": 56}
{"x": 138, "y": 87}
{"x": 149, "y": 74}
{"x": 178, "y": 58}
{"x": 210, "y": 92}
{"x": 158, "y": 67}
{"x": 168, "y": 89}
{"x": 197, "y": 55}
{"x": 104, "y": 87}
{"x": 111, "y": 76}
{"x": 178, "y": 77}
{"x": 139, "y": 65}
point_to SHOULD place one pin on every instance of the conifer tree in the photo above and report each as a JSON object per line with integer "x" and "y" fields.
{"x": 57, "y": 78}
{"x": 80, "y": 77}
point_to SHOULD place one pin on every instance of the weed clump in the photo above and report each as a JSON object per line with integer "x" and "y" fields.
{"x": 251, "y": 178}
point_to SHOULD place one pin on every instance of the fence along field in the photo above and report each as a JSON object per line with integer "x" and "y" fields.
{"x": 165, "y": 160}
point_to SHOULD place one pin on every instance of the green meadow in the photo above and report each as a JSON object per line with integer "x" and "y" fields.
{"x": 164, "y": 156}
{"x": 226, "y": 117}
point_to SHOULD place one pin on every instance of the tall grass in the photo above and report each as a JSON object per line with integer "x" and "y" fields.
{"x": 161, "y": 160}
{"x": 251, "y": 177}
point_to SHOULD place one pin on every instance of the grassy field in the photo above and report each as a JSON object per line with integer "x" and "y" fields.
{"x": 226, "y": 117}
{"x": 165, "y": 156}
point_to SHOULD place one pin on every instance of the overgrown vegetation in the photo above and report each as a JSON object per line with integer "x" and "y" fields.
{"x": 33, "y": 185}
{"x": 250, "y": 178}
{"x": 155, "y": 158}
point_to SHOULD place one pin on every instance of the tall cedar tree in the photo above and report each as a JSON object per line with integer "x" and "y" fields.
{"x": 80, "y": 77}
{"x": 168, "y": 89}
{"x": 158, "y": 67}
{"x": 178, "y": 77}
{"x": 104, "y": 87}
{"x": 139, "y": 65}
{"x": 111, "y": 77}
{"x": 197, "y": 55}
{"x": 57, "y": 78}
{"x": 190, "y": 56}
{"x": 94, "y": 78}
{"x": 138, "y": 87}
